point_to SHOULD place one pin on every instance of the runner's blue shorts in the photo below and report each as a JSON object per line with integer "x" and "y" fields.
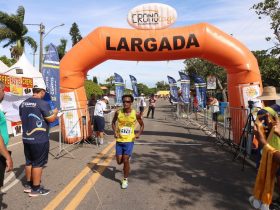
{"x": 124, "y": 148}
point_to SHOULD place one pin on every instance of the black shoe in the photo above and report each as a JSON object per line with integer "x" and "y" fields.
{"x": 40, "y": 191}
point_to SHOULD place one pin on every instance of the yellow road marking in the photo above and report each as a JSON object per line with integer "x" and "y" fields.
{"x": 60, "y": 197}
{"x": 91, "y": 181}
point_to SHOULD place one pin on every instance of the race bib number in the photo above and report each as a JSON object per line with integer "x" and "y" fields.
{"x": 125, "y": 131}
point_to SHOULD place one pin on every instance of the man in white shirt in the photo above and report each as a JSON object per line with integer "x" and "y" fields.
{"x": 142, "y": 104}
{"x": 99, "y": 121}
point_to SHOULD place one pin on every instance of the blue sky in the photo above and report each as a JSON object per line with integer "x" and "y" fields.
{"x": 233, "y": 17}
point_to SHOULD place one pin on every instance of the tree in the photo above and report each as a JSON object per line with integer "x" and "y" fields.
{"x": 110, "y": 83}
{"x": 94, "y": 79}
{"x": 61, "y": 48}
{"x": 13, "y": 30}
{"x": 162, "y": 85}
{"x": 75, "y": 34}
{"x": 203, "y": 68}
{"x": 9, "y": 62}
{"x": 271, "y": 9}
{"x": 269, "y": 67}
{"x": 92, "y": 88}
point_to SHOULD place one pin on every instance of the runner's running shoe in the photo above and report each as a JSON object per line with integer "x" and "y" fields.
{"x": 124, "y": 183}
{"x": 40, "y": 191}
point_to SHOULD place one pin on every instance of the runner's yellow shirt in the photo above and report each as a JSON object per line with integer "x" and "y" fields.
{"x": 126, "y": 126}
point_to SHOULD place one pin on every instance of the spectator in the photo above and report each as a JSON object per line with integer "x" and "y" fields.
{"x": 36, "y": 114}
{"x": 195, "y": 105}
{"x": 99, "y": 121}
{"x": 213, "y": 103}
{"x": 142, "y": 104}
{"x": 6, "y": 162}
{"x": 152, "y": 105}
{"x": 268, "y": 97}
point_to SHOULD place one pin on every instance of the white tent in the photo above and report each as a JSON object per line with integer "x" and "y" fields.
{"x": 27, "y": 68}
{"x": 12, "y": 102}
{"x": 3, "y": 67}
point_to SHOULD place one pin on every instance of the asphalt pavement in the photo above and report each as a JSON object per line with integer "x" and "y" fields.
{"x": 174, "y": 165}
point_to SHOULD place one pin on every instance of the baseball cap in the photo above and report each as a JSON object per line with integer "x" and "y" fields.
{"x": 106, "y": 98}
{"x": 40, "y": 85}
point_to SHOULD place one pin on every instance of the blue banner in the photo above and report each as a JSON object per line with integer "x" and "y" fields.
{"x": 119, "y": 89}
{"x": 173, "y": 89}
{"x": 134, "y": 86}
{"x": 185, "y": 87}
{"x": 200, "y": 87}
{"x": 50, "y": 72}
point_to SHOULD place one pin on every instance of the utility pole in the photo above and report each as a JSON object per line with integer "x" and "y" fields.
{"x": 41, "y": 32}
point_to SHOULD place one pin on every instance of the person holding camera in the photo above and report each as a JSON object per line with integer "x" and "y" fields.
{"x": 267, "y": 124}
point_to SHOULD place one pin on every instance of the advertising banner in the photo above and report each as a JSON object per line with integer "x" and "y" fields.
{"x": 50, "y": 72}
{"x": 173, "y": 89}
{"x": 70, "y": 117}
{"x": 119, "y": 85}
{"x": 250, "y": 92}
{"x": 211, "y": 82}
{"x": 134, "y": 86}
{"x": 200, "y": 87}
{"x": 185, "y": 87}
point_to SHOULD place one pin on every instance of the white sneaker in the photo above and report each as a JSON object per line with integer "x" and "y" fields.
{"x": 124, "y": 183}
{"x": 255, "y": 202}
{"x": 264, "y": 207}
{"x": 101, "y": 141}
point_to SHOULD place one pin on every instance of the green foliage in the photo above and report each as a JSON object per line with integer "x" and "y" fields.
{"x": 92, "y": 88}
{"x": 271, "y": 9}
{"x": 94, "y": 79}
{"x": 9, "y": 62}
{"x": 142, "y": 88}
{"x": 61, "y": 48}
{"x": 13, "y": 31}
{"x": 75, "y": 34}
{"x": 162, "y": 85}
{"x": 204, "y": 68}
{"x": 269, "y": 67}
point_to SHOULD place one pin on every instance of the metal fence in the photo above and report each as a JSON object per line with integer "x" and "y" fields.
{"x": 79, "y": 125}
{"x": 230, "y": 126}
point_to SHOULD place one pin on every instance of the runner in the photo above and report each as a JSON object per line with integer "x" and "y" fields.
{"x": 124, "y": 134}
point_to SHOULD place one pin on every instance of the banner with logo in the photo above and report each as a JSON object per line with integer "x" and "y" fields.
{"x": 134, "y": 86}
{"x": 50, "y": 72}
{"x": 185, "y": 87}
{"x": 70, "y": 117}
{"x": 200, "y": 87}
{"x": 173, "y": 89}
{"x": 211, "y": 82}
{"x": 119, "y": 88}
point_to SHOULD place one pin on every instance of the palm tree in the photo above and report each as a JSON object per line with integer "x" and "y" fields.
{"x": 13, "y": 30}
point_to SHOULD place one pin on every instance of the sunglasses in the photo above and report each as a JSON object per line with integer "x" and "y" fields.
{"x": 126, "y": 102}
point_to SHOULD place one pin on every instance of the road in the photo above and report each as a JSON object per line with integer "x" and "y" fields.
{"x": 174, "y": 165}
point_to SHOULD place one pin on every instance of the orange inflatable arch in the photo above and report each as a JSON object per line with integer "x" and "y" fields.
{"x": 197, "y": 41}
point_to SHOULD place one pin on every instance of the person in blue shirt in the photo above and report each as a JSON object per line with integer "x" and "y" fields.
{"x": 6, "y": 162}
{"x": 36, "y": 114}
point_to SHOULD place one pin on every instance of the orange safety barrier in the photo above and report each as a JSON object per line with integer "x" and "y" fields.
{"x": 196, "y": 41}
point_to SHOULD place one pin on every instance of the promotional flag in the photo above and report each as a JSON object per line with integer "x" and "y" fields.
{"x": 211, "y": 82}
{"x": 173, "y": 89}
{"x": 200, "y": 87}
{"x": 134, "y": 86}
{"x": 119, "y": 85}
{"x": 185, "y": 87}
{"x": 50, "y": 72}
